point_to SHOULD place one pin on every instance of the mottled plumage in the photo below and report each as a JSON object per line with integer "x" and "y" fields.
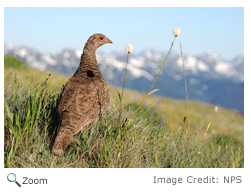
{"x": 85, "y": 96}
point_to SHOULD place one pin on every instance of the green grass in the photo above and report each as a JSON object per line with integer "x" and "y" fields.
{"x": 31, "y": 124}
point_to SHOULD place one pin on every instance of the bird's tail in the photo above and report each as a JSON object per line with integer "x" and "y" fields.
{"x": 62, "y": 140}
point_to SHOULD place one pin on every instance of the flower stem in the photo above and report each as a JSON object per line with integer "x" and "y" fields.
{"x": 121, "y": 98}
{"x": 185, "y": 87}
{"x": 153, "y": 83}
{"x": 209, "y": 125}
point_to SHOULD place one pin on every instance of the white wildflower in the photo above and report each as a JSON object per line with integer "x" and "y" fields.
{"x": 215, "y": 109}
{"x": 129, "y": 48}
{"x": 176, "y": 31}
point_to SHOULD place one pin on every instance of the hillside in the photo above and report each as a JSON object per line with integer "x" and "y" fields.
{"x": 173, "y": 111}
{"x": 161, "y": 117}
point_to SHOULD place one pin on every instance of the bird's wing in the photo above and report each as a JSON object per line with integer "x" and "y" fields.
{"x": 88, "y": 104}
{"x": 67, "y": 96}
{"x": 80, "y": 102}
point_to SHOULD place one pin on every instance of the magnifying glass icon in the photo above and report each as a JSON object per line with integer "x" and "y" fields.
{"x": 12, "y": 178}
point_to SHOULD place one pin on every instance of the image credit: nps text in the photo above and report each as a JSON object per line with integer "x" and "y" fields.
{"x": 192, "y": 179}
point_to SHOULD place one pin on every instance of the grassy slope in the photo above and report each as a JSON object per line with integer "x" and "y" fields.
{"x": 227, "y": 122}
{"x": 106, "y": 148}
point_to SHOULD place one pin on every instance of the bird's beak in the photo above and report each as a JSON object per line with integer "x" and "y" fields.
{"x": 109, "y": 41}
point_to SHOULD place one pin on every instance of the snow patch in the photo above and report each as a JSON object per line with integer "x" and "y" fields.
{"x": 212, "y": 56}
{"x": 139, "y": 62}
{"x": 153, "y": 65}
{"x": 22, "y": 52}
{"x": 110, "y": 74}
{"x": 148, "y": 54}
{"x": 222, "y": 67}
{"x": 136, "y": 72}
{"x": 226, "y": 69}
{"x": 66, "y": 54}
{"x": 78, "y": 53}
{"x": 66, "y": 62}
{"x": 9, "y": 46}
{"x": 238, "y": 61}
{"x": 191, "y": 63}
{"x": 47, "y": 58}
{"x": 158, "y": 56}
{"x": 110, "y": 60}
{"x": 133, "y": 65}
{"x": 202, "y": 66}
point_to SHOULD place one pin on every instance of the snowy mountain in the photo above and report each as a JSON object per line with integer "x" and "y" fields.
{"x": 210, "y": 79}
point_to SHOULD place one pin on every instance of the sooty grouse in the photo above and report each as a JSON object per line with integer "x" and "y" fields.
{"x": 85, "y": 96}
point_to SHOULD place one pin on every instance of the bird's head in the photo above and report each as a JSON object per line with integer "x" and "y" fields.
{"x": 97, "y": 40}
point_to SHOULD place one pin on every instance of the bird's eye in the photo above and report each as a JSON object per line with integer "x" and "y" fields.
{"x": 101, "y": 38}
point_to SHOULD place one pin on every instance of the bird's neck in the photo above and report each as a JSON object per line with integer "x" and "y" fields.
{"x": 88, "y": 62}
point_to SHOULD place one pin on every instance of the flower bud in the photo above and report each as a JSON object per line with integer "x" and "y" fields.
{"x": 176, "y": 31}
{"x": 215, "y": 109}
{"x": 129, "y": 48}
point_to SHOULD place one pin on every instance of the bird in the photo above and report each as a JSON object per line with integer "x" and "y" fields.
{"x": 85, "y": 96}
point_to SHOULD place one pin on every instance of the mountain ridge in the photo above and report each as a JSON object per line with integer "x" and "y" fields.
{"x": 210, "y": 79}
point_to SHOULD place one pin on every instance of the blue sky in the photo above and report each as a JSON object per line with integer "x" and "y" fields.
{"x": 52, "y": 29}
